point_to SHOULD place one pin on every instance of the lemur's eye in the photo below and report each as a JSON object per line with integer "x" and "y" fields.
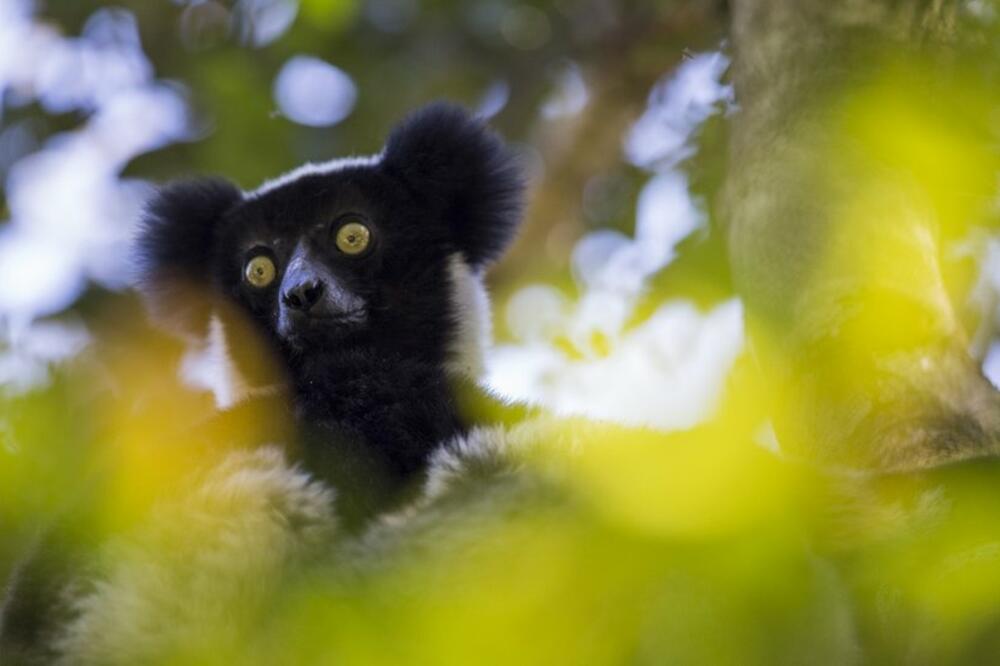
{"x": 353, "y": 237}
{"x": 260, "y": 271}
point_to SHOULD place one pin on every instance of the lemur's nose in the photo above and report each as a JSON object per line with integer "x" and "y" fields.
{"x": 303, "y": 295}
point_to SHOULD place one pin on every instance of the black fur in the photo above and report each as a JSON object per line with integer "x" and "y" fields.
{"x": 367, "y": 381}
{"x": 175, "y": 245}
{"x": 464, "y": 173}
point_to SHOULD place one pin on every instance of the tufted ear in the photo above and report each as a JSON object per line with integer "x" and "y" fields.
{"x": 175, "y": 247}
{"x": 466, "y": 172}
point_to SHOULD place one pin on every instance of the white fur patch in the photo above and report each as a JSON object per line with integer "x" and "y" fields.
{"x": 471, "y": 309}
{"x": 210, "y": 366}
{"x": 312, "y": 169}
{"x": 543, "y": 442}
{"x": 451, "y": 460}
{"x": 197, "y": 574}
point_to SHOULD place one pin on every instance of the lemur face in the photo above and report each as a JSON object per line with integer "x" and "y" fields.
{"x": 366, "y": 252}
{"x": 342, "y": 256}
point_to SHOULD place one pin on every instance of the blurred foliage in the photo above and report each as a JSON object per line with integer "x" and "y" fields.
{"x": 401, "y": 54}
{"x": 697, "y": 547}
{"x": 606, "y": 545}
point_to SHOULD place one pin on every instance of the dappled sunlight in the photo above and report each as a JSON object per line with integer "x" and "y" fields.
{"x": 690, "y": 471}
{"x": 588, "y": 357}
{"x": 312, "y": 92}
{"x": 70, "y": 213}
{"x": 159, "y": 427}
{"x": 667, "y": 373}
{"x": 632, "y": 560}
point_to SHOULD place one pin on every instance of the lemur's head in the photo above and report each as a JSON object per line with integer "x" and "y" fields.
{"x": 383, "y": 252}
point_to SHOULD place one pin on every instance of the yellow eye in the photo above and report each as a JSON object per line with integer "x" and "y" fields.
{"x": 260, "y": 271}
{"x": 353, "y": 238}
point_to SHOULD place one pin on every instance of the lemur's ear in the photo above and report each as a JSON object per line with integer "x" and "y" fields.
{"x": 175, "y": 246}
{"x": 465, "y": 171}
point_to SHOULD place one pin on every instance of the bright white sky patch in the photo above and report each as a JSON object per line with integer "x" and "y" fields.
{"x": 36, "y": 276}
{"x": 570, "y": 95}
{"x": 312, "y": 92}
{"x": 537, "y": 313}
{"x": 72, "y": 215}
{"x": 676, "y": 107}
{"x": 991, "y": 365}
{"x": 665, "y": 215}
{"x": 667, "y": 373}
{"x": 261, "y": 22}
{"x": 594, "y": 257}
{"x": 493, "y": 100}
{"x": 33, "y": 348}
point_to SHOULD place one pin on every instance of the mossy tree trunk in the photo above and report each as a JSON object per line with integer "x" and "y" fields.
{"x": 836, "y": 246}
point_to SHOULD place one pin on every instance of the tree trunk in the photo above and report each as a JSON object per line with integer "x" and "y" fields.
{"x": 835, "y": 240}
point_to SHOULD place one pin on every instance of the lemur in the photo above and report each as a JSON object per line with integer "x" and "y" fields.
{"x": 365, "y": 275}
